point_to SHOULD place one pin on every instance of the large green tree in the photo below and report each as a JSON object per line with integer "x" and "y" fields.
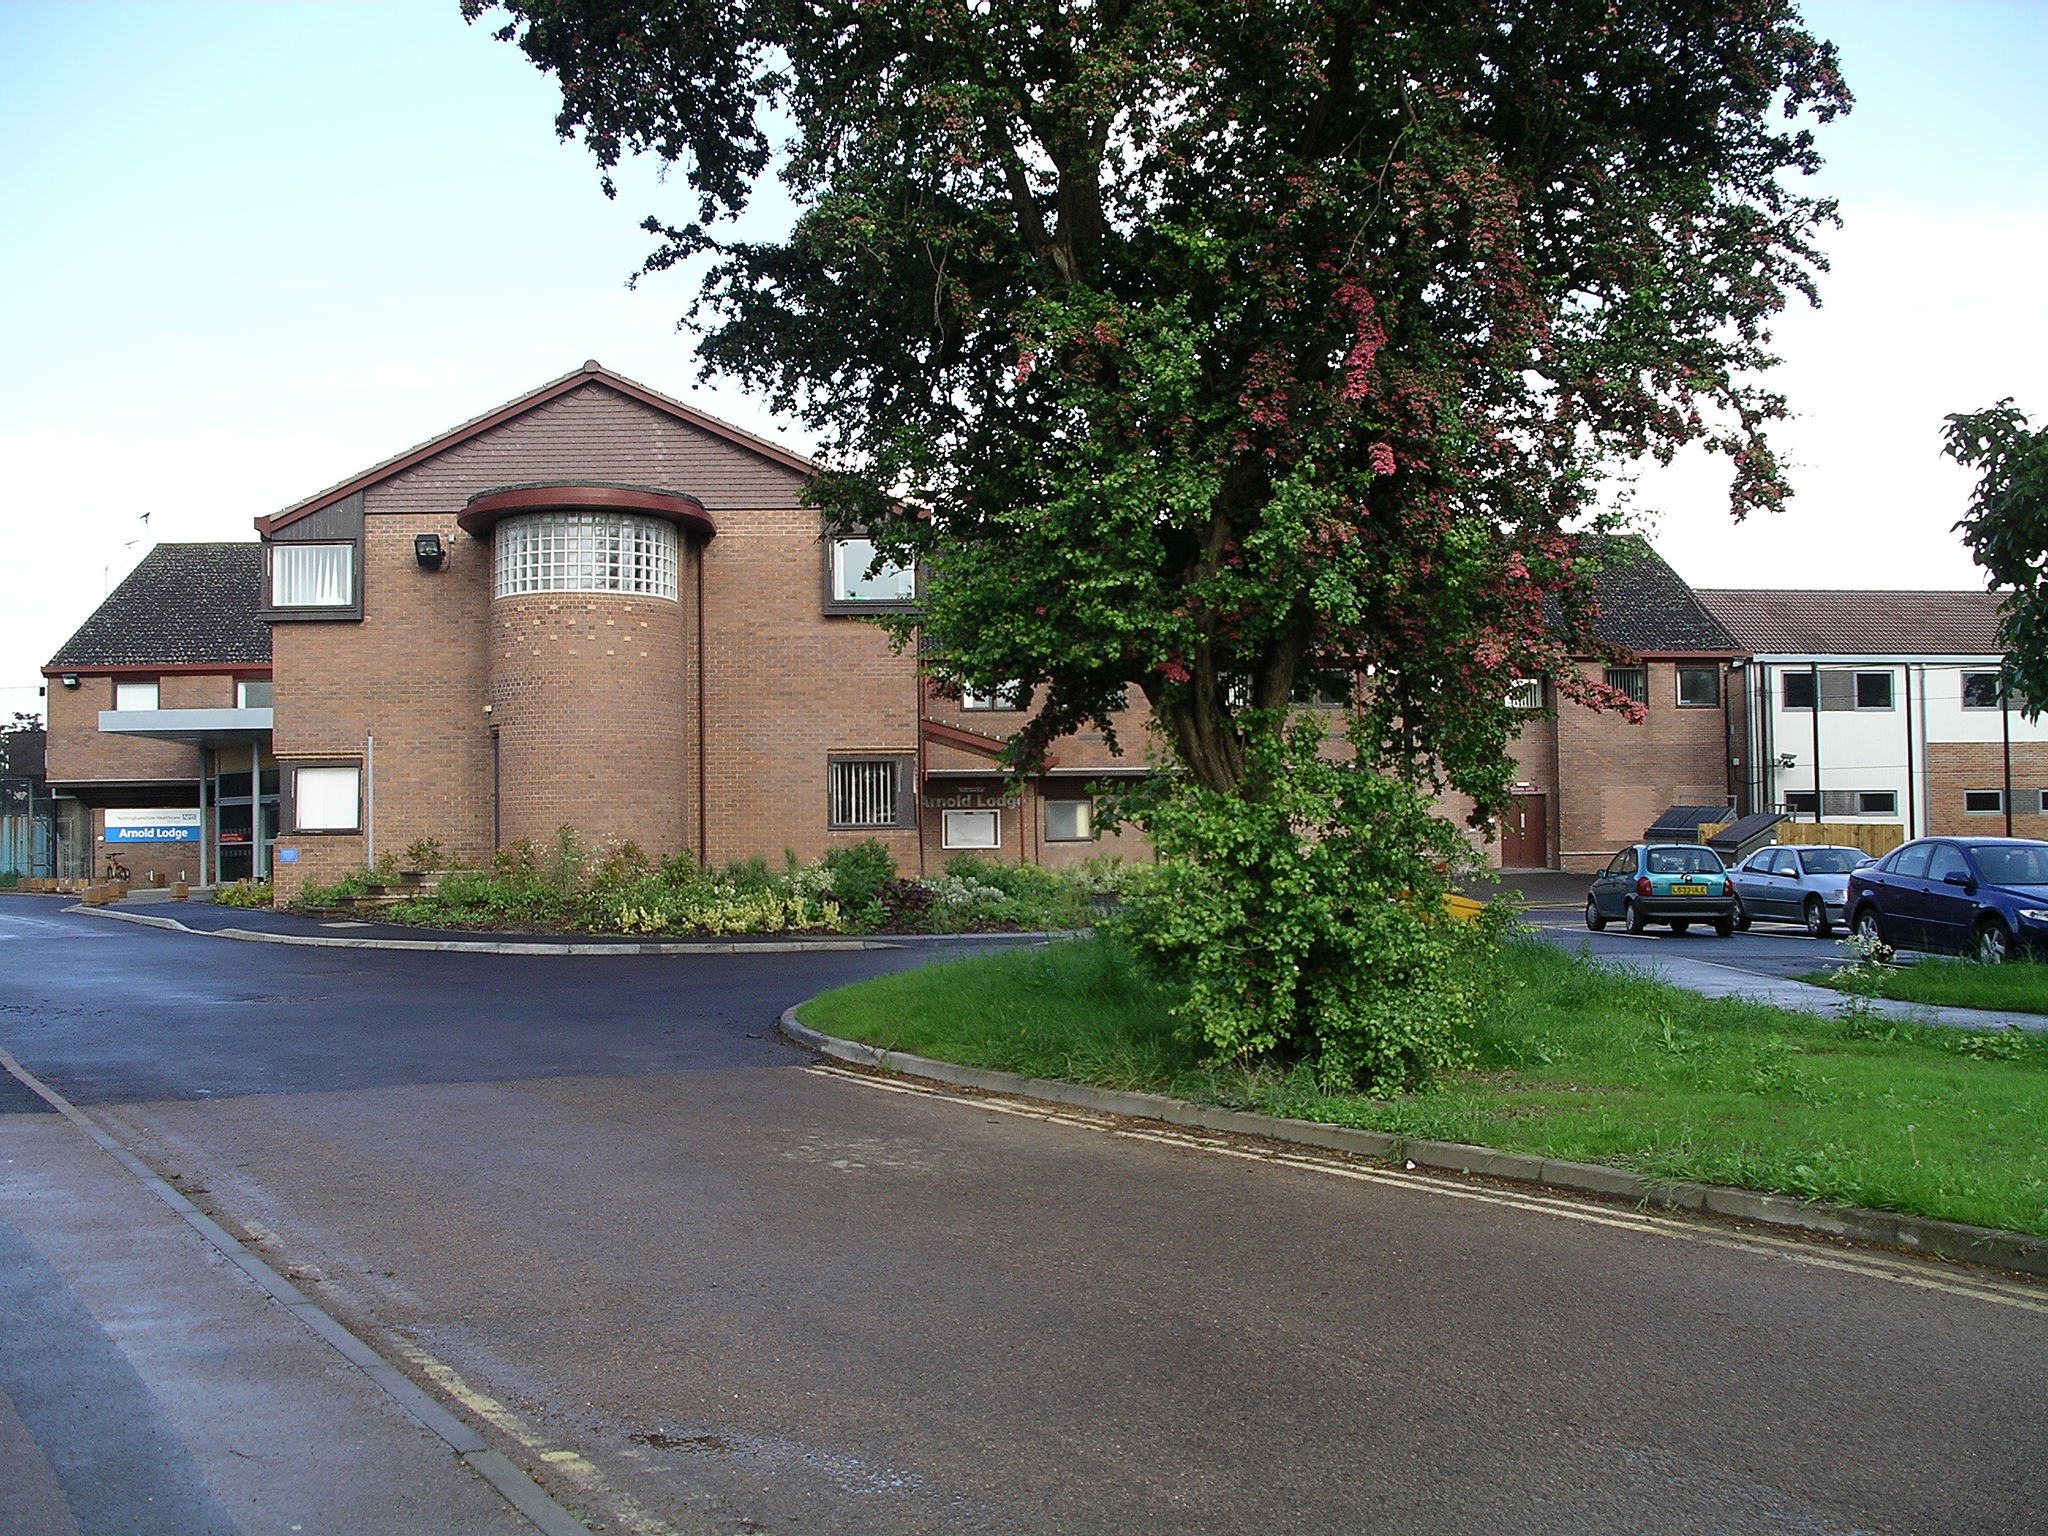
{"x": 1197, "y": 346}
{"x": 1202, "y": 347}
{"x": 2006, "y": 528}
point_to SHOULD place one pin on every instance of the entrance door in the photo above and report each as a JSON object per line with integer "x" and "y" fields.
{"x": 1525, "y": 833}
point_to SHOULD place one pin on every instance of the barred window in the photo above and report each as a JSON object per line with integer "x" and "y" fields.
{"x": 586, "y": 552}
{"x": 868, "y": 792}
{"x": 1633, "y": 681}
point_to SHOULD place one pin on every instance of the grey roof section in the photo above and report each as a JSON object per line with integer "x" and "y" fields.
{"x": 1646, "y": 607}
{"x": 1821, "y": 623}
{"x": 184, "y": 605}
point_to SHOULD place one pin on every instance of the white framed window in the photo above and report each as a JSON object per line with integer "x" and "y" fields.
{"x": 867, "y": 792}
{"x": 1526, "y": 693}
{"x": 137, "y": 695}
{"x": 253, "y": 693}
{"x": 850, "y": 581}
{"x": 973, "y": 829}
{"x": 1699, "y": 687}
{"x": 312, "y": 575}
{"x": 586, "y": 552}
{"x": 1873, "y": 690}
{"x": 326, "y": 799}
{"x": 1800, "y": 802}
{"x": 1983, "y": 800}
{"x": 1069, "y": 821}
{"x": 1008, "y": 696}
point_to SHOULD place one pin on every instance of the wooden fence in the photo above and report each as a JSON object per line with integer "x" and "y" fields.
{"x": 1875, "y": 838}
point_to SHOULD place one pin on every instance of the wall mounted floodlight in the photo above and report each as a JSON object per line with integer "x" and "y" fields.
{"x": 426, "y": 548}
{"x": 69, "y": 679}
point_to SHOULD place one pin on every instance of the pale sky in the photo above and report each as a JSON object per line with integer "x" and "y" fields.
{"x": 251, "y": 248}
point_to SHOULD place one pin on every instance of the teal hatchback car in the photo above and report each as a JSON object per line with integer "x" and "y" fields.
{"x": 1676, "y": 883}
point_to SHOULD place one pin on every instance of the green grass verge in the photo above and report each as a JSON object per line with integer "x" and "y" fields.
{"x": 2019, "y": 987}
{"x": 1572, "y": 1060}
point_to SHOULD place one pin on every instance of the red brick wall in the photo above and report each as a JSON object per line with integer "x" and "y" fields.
{"x": 1614, "y": 777}
{"x": 79, "y": 751}
{"x": 1955, "y": 766}
{"x": 591, "y": 699}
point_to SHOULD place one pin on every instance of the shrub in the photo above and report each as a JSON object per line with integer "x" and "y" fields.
{"x": 858, "y": 874}
{"x": 423, "y": 853}
{"x": 1305, "y": 917}
{"x": 245, "y": 893}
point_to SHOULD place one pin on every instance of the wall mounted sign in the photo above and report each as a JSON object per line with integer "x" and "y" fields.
{"x": 166, "y": 824}
{"x": 970, "y": 800}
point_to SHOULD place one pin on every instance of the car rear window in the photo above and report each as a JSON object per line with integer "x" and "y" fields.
{"x": 1830, "y": 861}
{"x": 1683, "y": 861}
{"x": 2013, "y": 866}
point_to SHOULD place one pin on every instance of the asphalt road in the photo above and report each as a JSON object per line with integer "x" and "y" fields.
{"x": 1768, "y": 948}
{"x": 699, "y": 1283}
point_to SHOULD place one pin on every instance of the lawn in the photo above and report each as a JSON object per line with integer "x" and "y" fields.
{"x": 2021, "y": 986}
{"x": 1572, "y": 1060}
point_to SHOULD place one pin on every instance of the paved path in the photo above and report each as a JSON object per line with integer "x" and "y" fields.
{"x": 698, "y": 1283}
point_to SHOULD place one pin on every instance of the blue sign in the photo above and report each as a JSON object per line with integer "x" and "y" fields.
{"x": 168, "y": 824}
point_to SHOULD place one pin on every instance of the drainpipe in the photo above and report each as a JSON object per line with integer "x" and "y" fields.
{"x": 2005, "y": 740}
{"x": 1910, "y": 816}
{"x": 1814, "y": 669}
{"x": 370, "y": 802}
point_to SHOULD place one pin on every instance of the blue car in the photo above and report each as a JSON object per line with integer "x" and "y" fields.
{"x": 1676, "y": 883}
{"x": 1982, "y": 896}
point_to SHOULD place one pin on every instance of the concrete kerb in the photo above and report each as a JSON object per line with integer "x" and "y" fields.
{"x": 1935, "y": 1239}
{"x": 499, "y": 1471}
{"x": 497, "y": 947}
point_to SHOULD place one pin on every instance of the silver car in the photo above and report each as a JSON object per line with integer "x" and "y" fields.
{"x": 1806, "y": 883}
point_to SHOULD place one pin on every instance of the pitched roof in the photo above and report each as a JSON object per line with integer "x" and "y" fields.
{"x": 1646, "y": 607}
{"x": 1812, "y": 623}
{"x": 591, "y": 372}
{"x": 185, "y": 604}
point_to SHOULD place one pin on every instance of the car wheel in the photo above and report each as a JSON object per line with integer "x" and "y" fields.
{"x": 1680, "y": 925}
{"x": 1994, "y": 942}
{"x": 1726, "y": 926}
{"x": 1595, "y": 918}
{"x": 1637, "y": 923}
{"x": 1817, "y": 923}
{"x": 1866, "y": 926}
{"x": 1741, "y": 918}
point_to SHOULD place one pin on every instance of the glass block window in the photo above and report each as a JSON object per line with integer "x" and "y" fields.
{"x": 586, "y": 552}
{"x": 867, "y": 792}
{"x": 312, "y": 575}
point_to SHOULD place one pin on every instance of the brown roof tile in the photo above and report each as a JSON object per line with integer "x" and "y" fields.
{"x": 1836, "y": 623}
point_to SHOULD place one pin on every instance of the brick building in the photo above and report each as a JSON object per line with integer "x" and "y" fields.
{"x": 596, "y": 607}
{"x": 1885, "y": 707}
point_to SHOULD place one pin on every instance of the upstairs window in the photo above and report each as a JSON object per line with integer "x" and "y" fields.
{"x": 1979, "y": 801}
{"x": 1799, "y": 690}
{"x": 586, "y": 552}
{"x": 1632, "y": 681}
{"x": 312, "y": 575}
{"x": 253, "y": 693}
{"x": 854, "y": 579}
{"x": 137, "y": 695}
{"x": 1526, "y": 693}
{"x": 1699, "y": 687}
{"x": 1981, "y": 690}
{"x": 1069, "y": 821}
{"x": 1873, "y": 690}
{"x": 1009, "y": 696}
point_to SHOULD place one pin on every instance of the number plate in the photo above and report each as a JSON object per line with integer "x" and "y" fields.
{"x": 1688, "y": 890}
